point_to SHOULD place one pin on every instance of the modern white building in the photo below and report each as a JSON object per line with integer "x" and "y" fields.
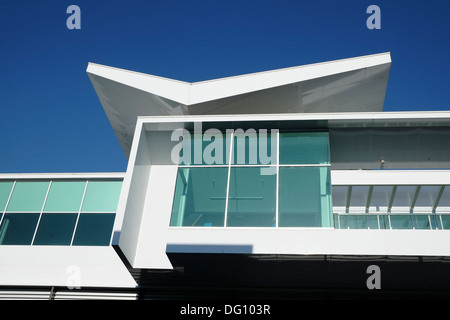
{"x": 289, "y": 183}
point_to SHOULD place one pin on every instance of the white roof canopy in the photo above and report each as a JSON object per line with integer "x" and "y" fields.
{"x": 348, "y": 85}
{"x": 391, "y": 191}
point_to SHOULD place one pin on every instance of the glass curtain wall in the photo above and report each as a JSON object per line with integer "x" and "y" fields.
{"x": 58, "y": 212}
{"x": 256, "y": 179}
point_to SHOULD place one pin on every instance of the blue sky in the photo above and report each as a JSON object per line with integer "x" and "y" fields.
{"x": 52, "y": 120}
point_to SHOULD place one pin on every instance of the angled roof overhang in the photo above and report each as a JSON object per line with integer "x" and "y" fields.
{"x": 348, "y": 85}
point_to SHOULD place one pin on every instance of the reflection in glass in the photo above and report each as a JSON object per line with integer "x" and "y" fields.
{"x": 207, "y": 148}
{"x": 5, "y": 190}
{"x": 358, "y": 221}
{"x": 102, "y": 196}
{"x": 254, "y": 147}
{"x": 304, "y": 197}
{"x": 94, "y": 229}
{"x": 252, "y": 201}
{"x": 304, "y": 148}
{"x": 65, "y": 196}
{"x": 445, "y": 221}
{"x": 55, "y": 229}
{"x": 401, "y": 221}
{"x": 28, "y": 196}
{"x": 18, "y": 228}
{"x": 200, "y": 197}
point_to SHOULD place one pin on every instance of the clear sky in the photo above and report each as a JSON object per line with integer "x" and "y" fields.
{"x": 52, "y": 121}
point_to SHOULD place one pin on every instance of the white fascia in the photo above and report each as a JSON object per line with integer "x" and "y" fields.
{"x": 390, "y": 177}
{"x": 193, "y": 93}
{"x": 415, "y": 117}
{"x": 68, "y": 175}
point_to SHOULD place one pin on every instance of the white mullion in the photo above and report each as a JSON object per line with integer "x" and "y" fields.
{"x": 40, "y": 214}
{"x": 79, "y": 212}
{"x": 7, "y": 202}
{"x": 228, "y": 179}
{"x": 204, "y": 166}
{"x": 306, "y": 165}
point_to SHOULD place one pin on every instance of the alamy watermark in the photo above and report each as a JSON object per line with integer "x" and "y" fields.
{"x": 374, "y": 20}
{"x": 261, "y": 150}
{"x": 374, "y": 280}
{"x": 73, "y": 280}
{"x": 74, "y": 20}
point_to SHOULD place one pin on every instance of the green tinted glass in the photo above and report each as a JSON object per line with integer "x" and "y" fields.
{"x": 94, "y": 229}
{"x": 421, "y": 221}
{"x": 252, "y": 198}
{"x": 358, "y": 221}
{"x": 65, "y": 196}
{"x": 208, "y": 148}
{"x": 28, "y": 196}
{"x": 401, "y": 221}
{"x": 383, "y": 220}
{"x": 102, "y": 196}
{"x": 5, "y": 190}
{"x": 252, "y": 147}
{"x": 445, "y": 221}
{"x": 55, "y": 229}
{"x": 304, "y": 148}
{"x": 200, "y": 197}
{"x": 18, "y": 228}
{"x": 304, "y": 197}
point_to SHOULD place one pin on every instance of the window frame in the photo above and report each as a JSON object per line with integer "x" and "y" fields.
{"x": 40, "y": 213}
{"x": 230, "y": 164}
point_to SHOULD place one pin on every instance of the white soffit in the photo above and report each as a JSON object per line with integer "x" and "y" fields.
{"x": 347, "y": 85}
{"x": 395, "y": 191}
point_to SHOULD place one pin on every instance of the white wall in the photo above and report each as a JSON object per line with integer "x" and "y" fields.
{"x": 69, "y": 266}
{"x": 146, "y": 199}
{"x": 309, "y": 241}
{"x": 132, "y": 197}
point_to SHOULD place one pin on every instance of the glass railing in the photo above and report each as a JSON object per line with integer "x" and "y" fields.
{"x": 411, "y": 221}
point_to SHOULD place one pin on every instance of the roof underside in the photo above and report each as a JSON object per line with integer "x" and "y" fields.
{"x": 348, "y": 85}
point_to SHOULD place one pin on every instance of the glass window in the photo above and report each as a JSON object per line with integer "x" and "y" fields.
{"x": 102, "y": 196}
{"x": 304, "y": 148}
{"x": 94, "y": 229}
{"x": 253, "y": 147}
{"x": 200, "y": 195}
{"x": 252, "y": 198}
{"x": 384, "y": 221}
{"x": 55, "y": 229}
{"x": 208, "y": 148}
{"x": 18, "y": 228}
{"x": 404, "y": 196}
{"x": 28, "y": 196}
{"x": 427, "y": 197}
{"x": 381, "y": 196}
{"x": 401, "y": 221}
{"x": 5, "y": 190}
{"x": 358, "y": 221}
{"x": 65, "y": 196}
{"x": 304, "y": 197}
{"x": 358, "y": 200}
{"x": 425, "y": 221}
{"x": 445, "y": 221}
{"x": 339, "y": 194}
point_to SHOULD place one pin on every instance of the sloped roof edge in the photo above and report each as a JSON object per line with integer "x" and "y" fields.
{"x": 198, "y": 92}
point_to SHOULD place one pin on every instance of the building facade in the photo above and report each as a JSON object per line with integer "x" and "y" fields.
{"x": 288, "y": 184}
